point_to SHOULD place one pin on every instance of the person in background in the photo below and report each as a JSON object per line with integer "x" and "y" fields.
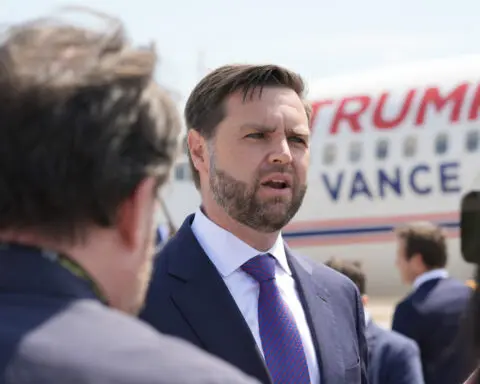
{"x": 393, "y": 358}
{"x": 86, "y": 141}
{"x": 226, "y": 281}
{"x": 433, "y": 312}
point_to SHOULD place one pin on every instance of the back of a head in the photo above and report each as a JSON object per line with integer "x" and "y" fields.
{"x": 351, "y": 269}
{"x": 426, "y": 239}
{"x": 83, "y": 122}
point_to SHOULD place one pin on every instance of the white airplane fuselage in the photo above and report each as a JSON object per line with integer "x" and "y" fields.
{"x": 388, "y": 147}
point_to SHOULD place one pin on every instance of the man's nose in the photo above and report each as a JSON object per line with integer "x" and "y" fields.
{"x": 280, "y": 153}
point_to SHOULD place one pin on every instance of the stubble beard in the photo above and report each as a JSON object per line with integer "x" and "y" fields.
{"x": 243, "y": 203}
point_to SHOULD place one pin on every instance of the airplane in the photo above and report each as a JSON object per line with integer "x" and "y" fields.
{"x": 389, "y": 146}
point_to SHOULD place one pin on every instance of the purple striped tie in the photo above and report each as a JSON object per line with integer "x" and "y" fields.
{"x": 281, "y": 342}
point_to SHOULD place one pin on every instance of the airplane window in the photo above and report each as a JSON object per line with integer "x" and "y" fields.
{"x": 441, "y": 144}
{"x": 355, "y": 152}
{"x": 473, "y": 141}
{"x": 182, "y": 172}
{"x": 329, "y": 154}
{"x": 410, "y": 146}
{"x": 179, "y": 172}
{"x": 382, "y": 149}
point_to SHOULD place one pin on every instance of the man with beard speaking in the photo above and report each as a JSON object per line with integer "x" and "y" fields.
{"x": 226, "y": 281}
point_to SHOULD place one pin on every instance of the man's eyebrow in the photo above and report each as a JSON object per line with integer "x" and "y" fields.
{"x": 269, "y": 129}
{"x": 258, "y": 127}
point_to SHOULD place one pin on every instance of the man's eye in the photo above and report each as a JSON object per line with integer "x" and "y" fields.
{"x": 297, "y": 139}
{"x": 257, "y": 135}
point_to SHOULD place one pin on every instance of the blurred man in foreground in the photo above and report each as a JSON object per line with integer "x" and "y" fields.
{"x": 393, "y": 358}
{"x": 87, "y": 138}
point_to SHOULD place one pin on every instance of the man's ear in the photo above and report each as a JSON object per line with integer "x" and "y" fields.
{"x": 365, "y": 300}
{"x": 417, "y": 261}
{"x": 197, "y": 146}
{"x": 135, "y": 214}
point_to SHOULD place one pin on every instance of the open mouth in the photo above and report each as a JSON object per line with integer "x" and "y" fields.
{"x": 276, "y": 184}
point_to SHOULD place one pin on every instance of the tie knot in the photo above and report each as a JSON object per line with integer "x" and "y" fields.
{"x": 261, "y": 268}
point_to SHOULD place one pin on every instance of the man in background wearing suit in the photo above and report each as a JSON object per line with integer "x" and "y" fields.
{"x": 432, "y": 313}
{"x": 226, "y": 281}
{"x": 86, "y": 140}
{"x": 393, "y": 358}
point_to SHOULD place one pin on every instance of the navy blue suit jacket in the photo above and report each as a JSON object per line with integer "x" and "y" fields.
{"x": 432, "y": 316}
{"x": 393, "y": 358}
{"x": 188, "y": 298}
{"x": 53, "y": 329}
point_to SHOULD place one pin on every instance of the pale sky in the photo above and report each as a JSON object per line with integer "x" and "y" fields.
{"x": 317, "y": 38}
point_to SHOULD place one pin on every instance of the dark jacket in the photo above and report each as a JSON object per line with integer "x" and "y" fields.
{"x": 53, "y": 329}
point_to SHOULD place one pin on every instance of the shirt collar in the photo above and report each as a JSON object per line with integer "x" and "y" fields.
{"x": 226, "y": 251}
{"x": 439, "y": 273}
{"x": 367, "y": 316}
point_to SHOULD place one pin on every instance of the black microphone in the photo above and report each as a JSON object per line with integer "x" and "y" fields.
{"x": 470, "y": 227}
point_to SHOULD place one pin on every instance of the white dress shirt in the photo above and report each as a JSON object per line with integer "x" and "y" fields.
{"x": 228, "y": 253}
{"x": 439, "y": 273}
{"x": 367, "y": 317}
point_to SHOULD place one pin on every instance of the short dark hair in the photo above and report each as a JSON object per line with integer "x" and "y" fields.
{"x": 351, "y": 269}
{"x": 205, "y": 108}
{"x": 426, "y": 239}
{"x": 83, "y": 124}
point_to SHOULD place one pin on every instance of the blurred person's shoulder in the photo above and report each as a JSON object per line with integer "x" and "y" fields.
{"x": 89, "y": 343}
{"x": 398, "y": 342}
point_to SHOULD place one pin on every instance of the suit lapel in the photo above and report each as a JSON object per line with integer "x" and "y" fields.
{"x": 315, "y": 301}
{"x": 208, "y": 307}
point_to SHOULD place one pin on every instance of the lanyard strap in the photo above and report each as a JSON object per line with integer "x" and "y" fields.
{"x": 70, "y": 265}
